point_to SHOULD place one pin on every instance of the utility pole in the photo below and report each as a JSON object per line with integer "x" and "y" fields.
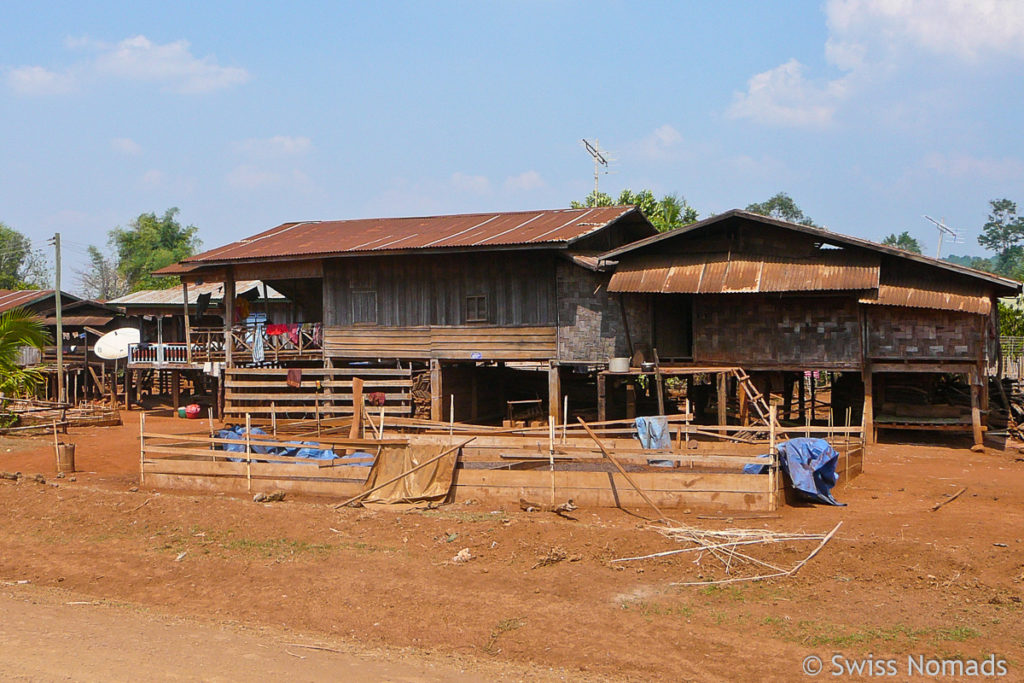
{"x": 60, "y": 325}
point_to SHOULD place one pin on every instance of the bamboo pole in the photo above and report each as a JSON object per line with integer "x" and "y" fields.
{"x": 661, "y": 515}
{"x": 565, "y": 415}
{"x": 273, "y": 418}
{"x": 56, "y": 445}
{"x": 423, "y": 464}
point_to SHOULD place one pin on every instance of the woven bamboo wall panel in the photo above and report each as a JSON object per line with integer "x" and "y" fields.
{"x": 756, "y": 330}
{"x": 919, "y": 333}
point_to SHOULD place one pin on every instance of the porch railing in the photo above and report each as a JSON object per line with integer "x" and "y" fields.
{"x": 208, "y": 345}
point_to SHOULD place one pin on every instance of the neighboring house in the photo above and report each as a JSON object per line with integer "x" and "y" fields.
{"x": 470, "y": 298}
{"x": 83, "y": 322}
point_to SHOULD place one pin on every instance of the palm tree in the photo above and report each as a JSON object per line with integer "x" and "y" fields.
{"x": 18, "y": 328}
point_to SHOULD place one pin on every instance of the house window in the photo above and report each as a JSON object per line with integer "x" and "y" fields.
{"x": 364, "y": 307}
{"x": 476, "y": 309}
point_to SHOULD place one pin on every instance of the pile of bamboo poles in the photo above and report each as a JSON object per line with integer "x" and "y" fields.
{"x": 723, "y": 545}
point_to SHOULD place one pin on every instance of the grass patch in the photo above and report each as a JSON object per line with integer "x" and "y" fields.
{"x": 277, "y": 547}
{"x": 465, "y": 516}
{"x": 649, "y": 610}
{"x": 503, "y": 626}
{"x": 817, "y": 634}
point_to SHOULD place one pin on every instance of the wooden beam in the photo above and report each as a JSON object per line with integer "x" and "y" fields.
{"x": 188, "y": 325}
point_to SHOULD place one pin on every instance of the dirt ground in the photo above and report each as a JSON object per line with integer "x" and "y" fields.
{"x": 539, "y": 600}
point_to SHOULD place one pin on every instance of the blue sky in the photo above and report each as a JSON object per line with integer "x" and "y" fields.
{"x": 869, "y": 113}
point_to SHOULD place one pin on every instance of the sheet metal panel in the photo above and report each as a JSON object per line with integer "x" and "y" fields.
{"x": 431, "y": 232}
{"x": 174, "y": 295}
{"x": 943, "y": 296}
{"x": 745, "y": 273}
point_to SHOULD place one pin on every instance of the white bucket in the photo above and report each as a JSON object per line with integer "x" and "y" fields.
{"x": 618, "y": 364}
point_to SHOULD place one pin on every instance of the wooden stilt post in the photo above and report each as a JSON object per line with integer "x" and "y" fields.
{"x": 188, "y": 325}
{"x": 436, "y": 395}
{"x": 979, "y": 442}
{"x": 273, "y": 418}
{"x": 868, "y": 419}
{"x": 554, "y": 393}
{"x": 773, "y": 468}
{"x": 248, "y": 452}
{"x": 175, "y": 389}
{"x": 602, "y": 397}
{"x": 723, "y": 397}
{"x": 142, "y": 447}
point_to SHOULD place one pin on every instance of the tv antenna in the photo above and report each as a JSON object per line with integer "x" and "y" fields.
{"x": 599, "y": 160}
{"x": 944, "y": 230}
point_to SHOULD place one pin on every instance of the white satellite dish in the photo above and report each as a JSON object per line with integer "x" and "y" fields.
{"x": 114, "y": 345}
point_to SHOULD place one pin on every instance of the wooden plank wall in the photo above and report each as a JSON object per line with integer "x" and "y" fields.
{"x": 464, "y": 342}
{"x": 420, "y": 291}
{"x": 262, "y": 391}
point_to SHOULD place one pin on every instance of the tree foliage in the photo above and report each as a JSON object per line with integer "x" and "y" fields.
{"x": 21, "y": 266}
{"x": 102, "y": 280}
{"x": 782, "y": 207}
{"x": 667, "y": 213}
{"x": 903, "y": 241}
{"x": 18, "y": 328}
{"x": 976, "y": 262}
{"x": 1003, "y": 234}
{"x": 1011, "y": 320}
{"x": 150, "y": 243}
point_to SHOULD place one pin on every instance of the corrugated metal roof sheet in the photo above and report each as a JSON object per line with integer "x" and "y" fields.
{"x": 12, "y": 298}
{"x": 1006, "y": 285}
{"x": 745, "y": 273}
{"x": 903, "y": 290}
{"x": 479, "y": 230}
{"x": 174, "y": 295}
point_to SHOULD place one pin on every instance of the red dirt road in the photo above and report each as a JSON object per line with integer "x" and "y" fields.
{"x": 897, "y": 580}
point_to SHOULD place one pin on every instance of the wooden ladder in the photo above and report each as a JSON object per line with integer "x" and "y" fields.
{"x": 755, "y": 397}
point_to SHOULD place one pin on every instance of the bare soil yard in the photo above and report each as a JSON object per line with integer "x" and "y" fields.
{"x": 540, "y": 598}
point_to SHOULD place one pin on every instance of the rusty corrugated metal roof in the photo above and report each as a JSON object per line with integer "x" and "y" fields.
{"x": 1006, "y": 285}
{"x": 173, "y": 296}
{"x": 12, "y": 298}
{"x": 904, "y": 290}
{"x": 466, "y": 231}
{"x": 745, "y": 273}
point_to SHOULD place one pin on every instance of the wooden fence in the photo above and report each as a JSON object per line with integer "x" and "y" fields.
{"x": 265, "y": 393}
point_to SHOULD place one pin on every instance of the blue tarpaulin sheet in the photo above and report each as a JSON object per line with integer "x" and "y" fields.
{"x": 311, "y": 452}
{"x": 811, "y": 465}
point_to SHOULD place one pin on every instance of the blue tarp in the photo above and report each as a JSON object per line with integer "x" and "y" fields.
{"x": 237, "y": 433}
{"x": 810, "y": 465}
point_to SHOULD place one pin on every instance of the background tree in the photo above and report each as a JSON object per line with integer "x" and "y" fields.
{"x": 782, "y": 207}
{"x": 150, "y": 243}
{"x": 102, "y": 279}
{"x": 21, "y": 266}
{"x": 903, "y": 241}
{"x": 667, "y": 213}
{"x": 976, "y": 262}
{"x": 1003, "y": 233}
{"x": 18, "y": 328}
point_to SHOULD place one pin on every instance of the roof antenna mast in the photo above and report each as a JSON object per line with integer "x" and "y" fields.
{"x": 944, "y": 230}
{"x": 599, "y": 160}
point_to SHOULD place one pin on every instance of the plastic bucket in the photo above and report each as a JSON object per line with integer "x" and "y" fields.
{"x": 619, "y": 364}
{"x": 66, "y": 458}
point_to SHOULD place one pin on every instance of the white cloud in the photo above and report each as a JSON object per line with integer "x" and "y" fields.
{"x": 171, "y": 65}
{"x": 252, "y": 177}
{"x": 476, "y": 184}
{"x": 126, "y": 146}
{"x": 524, "y": 182}
{"x": 137, "y": 59}
{"x": 966, "y": 166}
{"x": 662, "y": 143}
{"x": 152, "y": 178}
{"x": 276, "y": 146}
{"x": 966, "y": 29}
{"x": 783, "y": 96}
{"x": 869, "y": 39}
{"x": 36, "y": 80}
